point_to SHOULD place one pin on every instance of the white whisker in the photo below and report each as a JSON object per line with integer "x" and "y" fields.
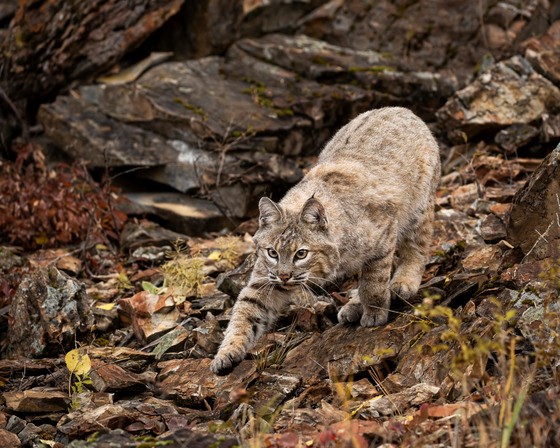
{"x": 318, "y": 286}
{"x": 323, "y": 279}
{"x": 308, "y": 297}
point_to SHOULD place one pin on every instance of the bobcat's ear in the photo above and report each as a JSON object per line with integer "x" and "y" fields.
{"x": 270, "y": 212}
{"x": 313, "y": 213}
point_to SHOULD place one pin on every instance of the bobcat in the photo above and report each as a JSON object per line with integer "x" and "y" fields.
{"x": 366, "y": 208}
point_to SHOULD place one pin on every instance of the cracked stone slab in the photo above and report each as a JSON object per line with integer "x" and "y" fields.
{"x": 510, "y": 92}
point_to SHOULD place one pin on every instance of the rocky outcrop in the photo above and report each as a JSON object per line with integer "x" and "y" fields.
{"x": 224, "y": 127}
{"x": 534, "y": 223}
{"x": 48, "y": 310}
{"x": 509, "y": 93}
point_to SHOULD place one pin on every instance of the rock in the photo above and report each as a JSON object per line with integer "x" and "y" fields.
{"x": 343, "y": 351}
{"x": 492, "y": 228}
{"x": 151, "y": 315}
{"x": 184, "y": 214}
{"x": 15, "y": 424}
{"x": 504, "y": 193}
{"x": 232, "y": 282}
{"x": 533, "y": 315}
{"x": 516, "y": 136}
{"x": 519, "y": 275}
{"x": 49, "y": 309}
{"x": 137, "y": 415}
{"x": 122, "y": 355}
{"x": 464, "y": 196}
{"x": 420, "y": 364}
{"x": 195, "y": 169}
{"x": 216, "y": 303}
{"x": 271, "y": 390}
{"x": 398, "y": 402}
{"x": 109, "y": 437}
{"x": 9, "y": 258}
{"x": 304, "y": 421}
{"x": 9, "y": 439}
{"x": 190, "y": 382}
{"x": 31, "y": 434}
{"x": 37, "y": 400}
{"x": 544, "y": 52}
{"x": 500, "y": 210}
{"x": 87, "y": 134}
{"x": 113, "y": 378}
{"x": 177, "y": 340}
{"x": 208, "y": 336}
{"x": 550, "y": 129}
{"x": 310, "y": 313}
{"x": 211, "y": 26}
{"x": 533, "y": 221}
{"x": 424, "y": 33}
{"x": 384, "y": 78}
{"x": 110, "y": 416}
{"x": 141, "y": 233}
{"x": 193, "y": 102}
{"x": 483, "y": 258}
{"x": 360, "y": 389}
{"x": 511, "y": 92}
{"x": 188, "y": 438}
{"x": 225, "y": 121}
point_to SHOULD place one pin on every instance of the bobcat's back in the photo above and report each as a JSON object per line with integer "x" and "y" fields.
{"x": 383, "y": 165}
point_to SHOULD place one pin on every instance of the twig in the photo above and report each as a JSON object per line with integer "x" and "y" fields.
{"x": 23, "y": 124}
{"x": 541, "y": 237}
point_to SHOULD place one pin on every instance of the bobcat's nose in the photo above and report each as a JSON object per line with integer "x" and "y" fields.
{"x": 284, "y": 277}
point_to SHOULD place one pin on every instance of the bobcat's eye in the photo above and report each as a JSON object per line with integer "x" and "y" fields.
{"x": 301, "y": 254}
{"x": 272, "y": 253}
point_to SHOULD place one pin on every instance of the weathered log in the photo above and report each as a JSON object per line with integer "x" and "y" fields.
{"x": 52, "y": 43}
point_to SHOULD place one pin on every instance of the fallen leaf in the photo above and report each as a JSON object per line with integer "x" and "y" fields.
{"x": 215, "y": 256}
{"x": 106, "y": 306}
{"x": 77, "y": 362}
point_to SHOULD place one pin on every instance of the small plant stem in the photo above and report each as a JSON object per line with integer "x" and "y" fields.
{"x": 507, "y": 388}
{"x": 508, "y": 430}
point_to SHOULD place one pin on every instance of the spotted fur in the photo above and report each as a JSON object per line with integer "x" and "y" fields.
{"x": 366, "y": 207}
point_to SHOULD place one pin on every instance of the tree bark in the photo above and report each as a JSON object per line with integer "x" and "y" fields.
{"x": 52, "y": 43}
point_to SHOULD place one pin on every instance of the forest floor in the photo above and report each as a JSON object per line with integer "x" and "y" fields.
{"x": 120, "y": 349}
{"x": 127, "y": 205}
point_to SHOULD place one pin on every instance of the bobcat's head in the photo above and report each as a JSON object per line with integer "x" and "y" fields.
{"x": 295, "y": 249}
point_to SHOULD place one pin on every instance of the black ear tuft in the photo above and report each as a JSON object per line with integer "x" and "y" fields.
{"x": 270, "y": 212}
{"x": 313, "y": 213}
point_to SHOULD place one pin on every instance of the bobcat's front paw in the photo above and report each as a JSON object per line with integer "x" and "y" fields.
{"x": 374, "y": 317}
{"x": 350, "y": 313}
{"x": 224, "y": 361}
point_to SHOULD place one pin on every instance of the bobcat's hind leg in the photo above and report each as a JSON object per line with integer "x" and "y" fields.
{"x": 413, "y": 254}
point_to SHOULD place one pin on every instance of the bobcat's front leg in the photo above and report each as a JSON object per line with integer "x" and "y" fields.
{"x": 254, "y": 312}
{"x": 371, "y": 307}
{"x": 375, "y": 295}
